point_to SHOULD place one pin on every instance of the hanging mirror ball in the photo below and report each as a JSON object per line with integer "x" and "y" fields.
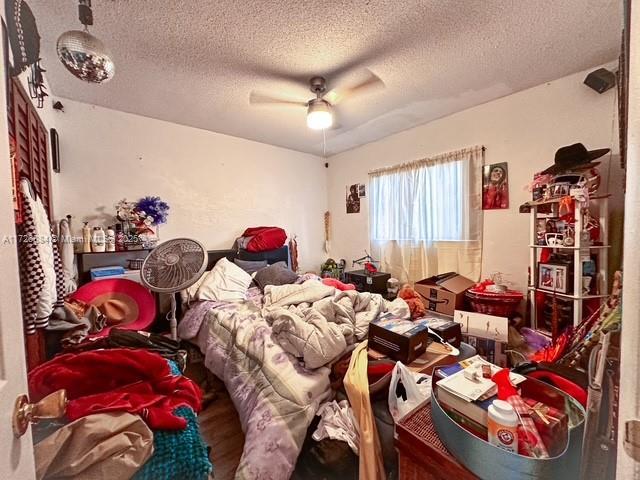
{"x": 85, "y": 56}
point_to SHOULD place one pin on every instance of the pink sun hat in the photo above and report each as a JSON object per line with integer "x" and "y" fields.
{"x": 125, "y": 303}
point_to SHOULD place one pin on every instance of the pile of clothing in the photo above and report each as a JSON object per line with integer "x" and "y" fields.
{"x": 120, "y": 403}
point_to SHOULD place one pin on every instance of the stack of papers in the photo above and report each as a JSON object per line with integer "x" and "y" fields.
{"x": 479, "y": 388}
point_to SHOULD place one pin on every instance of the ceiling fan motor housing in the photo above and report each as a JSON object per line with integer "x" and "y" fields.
{"x": 318, "y": 85}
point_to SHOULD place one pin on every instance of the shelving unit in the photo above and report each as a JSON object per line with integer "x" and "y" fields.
{"x": 580, "y": 252}
{"x": 88, "y": 260}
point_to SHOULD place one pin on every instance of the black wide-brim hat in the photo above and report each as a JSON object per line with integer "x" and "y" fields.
{"x": 575, "y": 157}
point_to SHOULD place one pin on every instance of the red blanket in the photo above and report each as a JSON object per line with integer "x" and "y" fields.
{"x": 131, "y": 380}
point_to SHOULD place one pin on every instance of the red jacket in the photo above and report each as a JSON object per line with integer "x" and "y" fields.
{"x": 120, "y": 379}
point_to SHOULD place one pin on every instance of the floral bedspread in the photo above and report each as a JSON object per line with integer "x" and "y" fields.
{"x": 275, "y": 396}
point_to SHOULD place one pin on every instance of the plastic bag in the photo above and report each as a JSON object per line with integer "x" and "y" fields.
{"x": 407, "y": 390}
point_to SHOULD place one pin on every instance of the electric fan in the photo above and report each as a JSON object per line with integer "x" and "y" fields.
{"x": 173, "y": 266}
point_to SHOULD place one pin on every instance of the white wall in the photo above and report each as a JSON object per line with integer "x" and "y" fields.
{"x": 216, "y": 185}
{"x": 524, "y": 129}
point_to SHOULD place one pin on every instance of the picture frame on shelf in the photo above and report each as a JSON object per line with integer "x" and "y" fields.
{"x": 553, "y": 278}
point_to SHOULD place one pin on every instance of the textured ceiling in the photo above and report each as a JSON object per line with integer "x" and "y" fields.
{"x": 195, "y": 62}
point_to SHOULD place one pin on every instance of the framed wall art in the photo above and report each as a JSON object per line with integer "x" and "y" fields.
{"x": 495, "y": 186}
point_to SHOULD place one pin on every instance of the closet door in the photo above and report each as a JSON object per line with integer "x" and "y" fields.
{"x": 31, "y": 139}
{"x": 32, "y": 161}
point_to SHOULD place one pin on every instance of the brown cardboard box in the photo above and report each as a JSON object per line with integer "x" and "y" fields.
{"x": 443, "y": 293}
{"x": 400, "y": 339}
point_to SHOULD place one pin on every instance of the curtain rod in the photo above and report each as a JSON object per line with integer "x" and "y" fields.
{"x": 428, "y": 160}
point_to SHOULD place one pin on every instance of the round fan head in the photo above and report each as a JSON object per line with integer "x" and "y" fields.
{"x": 174, "y": 265}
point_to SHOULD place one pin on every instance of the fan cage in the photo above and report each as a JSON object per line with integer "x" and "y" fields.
{"x": 174, "y": 265}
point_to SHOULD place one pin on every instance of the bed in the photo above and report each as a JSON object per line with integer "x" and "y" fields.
{"x": 275, "y": 395}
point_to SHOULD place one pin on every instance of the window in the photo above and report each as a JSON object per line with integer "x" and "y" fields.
{"x": 426, "y": 216}
{"x": 419, "y": 204}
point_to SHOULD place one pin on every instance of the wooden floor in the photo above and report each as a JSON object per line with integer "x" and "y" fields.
{"x": 220, "y": 427}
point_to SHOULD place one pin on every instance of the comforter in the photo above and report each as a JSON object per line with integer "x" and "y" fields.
{"x": 275, "y": 395}
{"x": 316, "y": 323}
{"x": 273, "y": 385}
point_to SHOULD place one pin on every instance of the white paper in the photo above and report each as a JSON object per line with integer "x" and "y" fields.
{"x": 481, "y": 388}
{"x": 483, "y": 326}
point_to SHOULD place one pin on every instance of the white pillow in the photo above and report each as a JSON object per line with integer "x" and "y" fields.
{"x": 225, "y": 282}
{"x": 189, "y": 294}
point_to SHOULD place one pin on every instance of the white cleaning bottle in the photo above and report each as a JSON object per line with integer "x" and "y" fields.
{"x": 98, "y": 240}
{"x": 502, "y": 426}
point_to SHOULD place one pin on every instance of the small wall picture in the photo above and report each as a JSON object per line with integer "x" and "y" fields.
{"x": 553, "y": 278}
{"x": 353, "y": 199}
{"x": 362, "y": 190}
{"x": 495, "y": 186}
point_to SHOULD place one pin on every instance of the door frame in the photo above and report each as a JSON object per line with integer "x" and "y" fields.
{"x": 16, "y": 454}
{"x": 629, "y": 408}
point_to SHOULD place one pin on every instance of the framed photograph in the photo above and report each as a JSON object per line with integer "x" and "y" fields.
{"x": 553, "y": 278}
{"x": 495, "y": 186}
{"x": 362, "y": 190}
{"x": 353, "y": 199}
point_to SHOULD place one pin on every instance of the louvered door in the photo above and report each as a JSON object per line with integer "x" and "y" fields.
{"x": 30, "y": 137}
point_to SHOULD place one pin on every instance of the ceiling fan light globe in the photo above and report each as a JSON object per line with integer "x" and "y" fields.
{"x": 319, "y": 116}
{"x": 319, "y": 120}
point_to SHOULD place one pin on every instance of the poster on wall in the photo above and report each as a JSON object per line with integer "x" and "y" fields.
{"x": 495, "y": 186}
{"x": 353, "y": 199}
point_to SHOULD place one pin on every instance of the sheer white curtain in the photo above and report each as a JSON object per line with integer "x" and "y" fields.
{"x": 426, "y": 216}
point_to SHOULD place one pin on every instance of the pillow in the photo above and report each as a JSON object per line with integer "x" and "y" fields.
{"x": 225, "y": 282}
{"x": 250, "y": 266}
{"x": 189, "y": 294}
{"x": 276, "y": 274}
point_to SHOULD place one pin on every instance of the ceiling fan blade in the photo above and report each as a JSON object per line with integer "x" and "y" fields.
{"x": 262, "y": 99}
{"x": 369, "y": 84}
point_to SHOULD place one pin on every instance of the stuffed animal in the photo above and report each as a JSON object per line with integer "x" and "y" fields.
{"x": 416, "y": 306}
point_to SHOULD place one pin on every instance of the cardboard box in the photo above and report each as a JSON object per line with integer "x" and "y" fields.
{"x": 443, "y": 293}
{"x": 400, "y": 339}
{"x": 444, "y": 326}
{"x": 488, "y": 334}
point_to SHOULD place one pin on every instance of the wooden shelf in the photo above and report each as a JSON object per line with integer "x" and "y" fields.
{"x": 89, "y": 260}
{"x": 564, "y": 295}
{"x": 115, "y": 253}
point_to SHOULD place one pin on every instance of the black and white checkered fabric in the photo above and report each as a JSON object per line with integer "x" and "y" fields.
{"x": 32, "y": 279}
{"x": 57, "y": 265}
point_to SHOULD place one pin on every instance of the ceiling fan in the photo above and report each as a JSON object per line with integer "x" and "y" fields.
{"x": 320, "y": 109}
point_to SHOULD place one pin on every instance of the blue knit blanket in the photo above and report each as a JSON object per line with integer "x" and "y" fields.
{"x": 178, "y": 454}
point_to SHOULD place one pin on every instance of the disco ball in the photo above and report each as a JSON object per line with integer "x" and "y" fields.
{"x": 85, "y": 56}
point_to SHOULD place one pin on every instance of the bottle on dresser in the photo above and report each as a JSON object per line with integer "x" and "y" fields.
{"x": 98, "y": 240}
